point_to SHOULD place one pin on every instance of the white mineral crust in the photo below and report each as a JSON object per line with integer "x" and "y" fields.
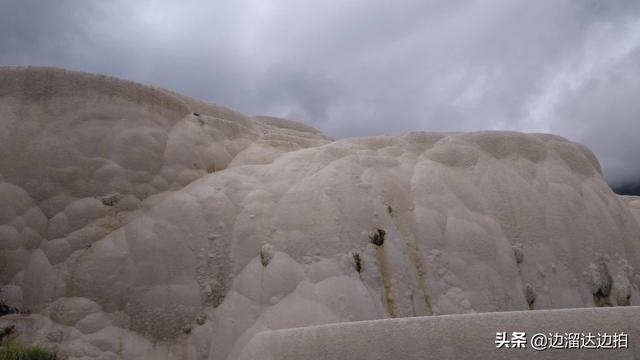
{"x": 137, "y": 223}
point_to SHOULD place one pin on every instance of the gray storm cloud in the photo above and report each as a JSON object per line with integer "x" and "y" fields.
{"x": 354, "y": 68}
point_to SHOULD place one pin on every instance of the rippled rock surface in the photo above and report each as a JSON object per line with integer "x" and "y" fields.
{"x": 139, "y": 223}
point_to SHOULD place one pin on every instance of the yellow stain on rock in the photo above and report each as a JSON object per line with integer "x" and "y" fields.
{"x": 386, "y": 281}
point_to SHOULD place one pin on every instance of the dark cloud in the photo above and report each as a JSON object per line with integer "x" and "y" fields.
{"x": 297, "y": 94}
{"x": 354, "y": 68}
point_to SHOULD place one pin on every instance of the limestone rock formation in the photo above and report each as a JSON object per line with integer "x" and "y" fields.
{"x": 139, "y": 223}
{"x": 466, "y": 336}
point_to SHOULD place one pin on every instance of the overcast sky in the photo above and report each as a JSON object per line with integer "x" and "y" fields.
{"x": 363, "y": 67}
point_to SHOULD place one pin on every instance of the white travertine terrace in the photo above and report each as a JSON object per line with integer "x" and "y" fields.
{"x": 467, "y": 336}
{"x": 138, "y": 223}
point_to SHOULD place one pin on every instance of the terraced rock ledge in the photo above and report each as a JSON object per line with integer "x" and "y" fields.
{"x": 468, "y": 336}
{"x": 138, "y": 223}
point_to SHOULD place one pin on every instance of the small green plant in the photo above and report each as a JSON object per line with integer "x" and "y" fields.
{"x": 20, "y": 352}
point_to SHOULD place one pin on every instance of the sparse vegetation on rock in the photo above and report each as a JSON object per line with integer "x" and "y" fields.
{"x": 20, "y": 352}
{"x": 377, "y": 237}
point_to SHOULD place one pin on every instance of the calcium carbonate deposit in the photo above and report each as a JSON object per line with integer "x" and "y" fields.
{"x": 137, "y": 223}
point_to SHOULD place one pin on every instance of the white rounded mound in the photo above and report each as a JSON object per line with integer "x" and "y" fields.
{"x": 139, "y": 223}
